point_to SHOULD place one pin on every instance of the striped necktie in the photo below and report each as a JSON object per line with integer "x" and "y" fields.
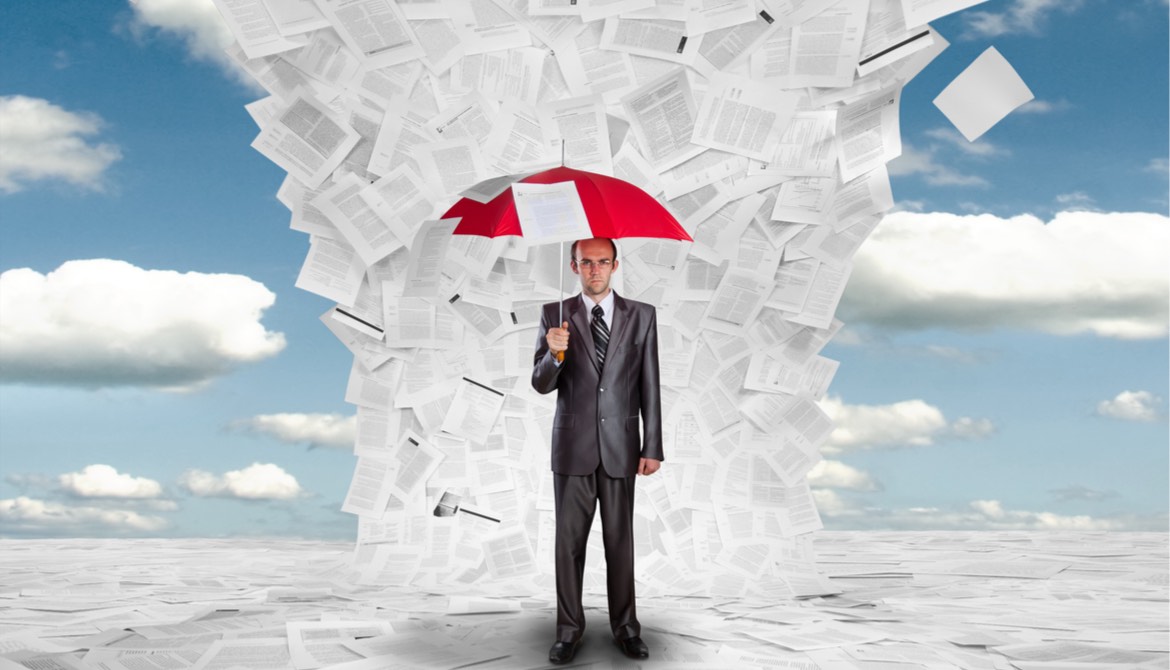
{"x": 600, "y": 335}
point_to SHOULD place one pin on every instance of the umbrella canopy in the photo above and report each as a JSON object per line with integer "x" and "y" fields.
{"x": 615, "y": 209}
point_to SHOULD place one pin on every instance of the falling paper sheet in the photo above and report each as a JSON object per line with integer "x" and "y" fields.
{"x": 987, "y": 91}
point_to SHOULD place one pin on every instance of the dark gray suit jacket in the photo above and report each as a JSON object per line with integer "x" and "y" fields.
{"x": 597, "y": 414}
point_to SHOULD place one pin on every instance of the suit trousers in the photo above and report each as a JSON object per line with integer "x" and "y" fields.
{"x": 576, "y": 498}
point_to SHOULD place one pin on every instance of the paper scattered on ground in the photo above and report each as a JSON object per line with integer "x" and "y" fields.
{"x": 126, "y": 604}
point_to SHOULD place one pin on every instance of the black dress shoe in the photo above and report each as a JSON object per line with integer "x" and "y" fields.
{"x": 633, "y": 647}
{"x": 562, "y": 652}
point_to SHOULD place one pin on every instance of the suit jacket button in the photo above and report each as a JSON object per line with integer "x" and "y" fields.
{"x": 603, "y": 420}
{"x": 603, "y": 390}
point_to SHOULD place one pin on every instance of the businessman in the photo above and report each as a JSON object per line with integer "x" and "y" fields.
{"x": 602, "y": 359}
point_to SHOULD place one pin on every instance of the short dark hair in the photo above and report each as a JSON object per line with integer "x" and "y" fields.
{"x": 573, "y": 249}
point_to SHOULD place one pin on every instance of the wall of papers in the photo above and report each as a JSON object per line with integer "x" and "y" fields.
{"x": 764, "y": 126}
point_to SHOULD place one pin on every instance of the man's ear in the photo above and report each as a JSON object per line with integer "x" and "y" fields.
{"x": 615, "y": 265}
{"x": 573, "y": 265}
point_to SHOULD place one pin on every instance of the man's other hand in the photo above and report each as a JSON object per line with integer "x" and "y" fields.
{"x": 648, "y": 466}
{"x": 558, "y": 338}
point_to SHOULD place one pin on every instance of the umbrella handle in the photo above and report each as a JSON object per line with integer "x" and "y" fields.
{"x": 561, "y": 304}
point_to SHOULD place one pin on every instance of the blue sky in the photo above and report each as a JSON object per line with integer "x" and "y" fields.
{"x": 1028, "y": 391}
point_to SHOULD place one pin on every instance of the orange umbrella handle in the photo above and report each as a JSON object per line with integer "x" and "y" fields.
{"x": 560, "y": 356}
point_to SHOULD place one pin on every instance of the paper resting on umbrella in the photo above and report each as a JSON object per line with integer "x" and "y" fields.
{"x": 551, "y": 212}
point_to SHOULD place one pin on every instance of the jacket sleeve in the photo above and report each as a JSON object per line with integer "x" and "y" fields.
{"x": 545, "y": 370}
{"x": 651, "y": 394}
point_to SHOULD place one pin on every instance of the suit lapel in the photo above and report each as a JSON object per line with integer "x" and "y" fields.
{"x": 580, "y": 324}
{"x": 621, "y": 315}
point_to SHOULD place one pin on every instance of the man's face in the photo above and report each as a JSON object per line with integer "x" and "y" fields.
{"x": 595, "y": 264}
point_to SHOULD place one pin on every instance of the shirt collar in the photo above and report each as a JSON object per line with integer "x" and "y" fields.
{"x": 606, "y": 304}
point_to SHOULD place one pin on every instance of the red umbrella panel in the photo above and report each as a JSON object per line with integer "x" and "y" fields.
{"x": 615, "y": 209}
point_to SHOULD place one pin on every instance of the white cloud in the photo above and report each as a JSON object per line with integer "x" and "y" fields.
{"x": 29, "y": 516}
{"x": 1021, "y": 17}
{"x": 161, "y": 505}
{"x": 841, "y": 514}
{"x": 909, "y": 206}
{"x": 831, "y": 504}
{"x": 1037, "y": 106}
{"x": 1160, "y": 166}
{"x": 196, "y": 22}
{"x": 1103, "y": 273}
{"x": 950, "y": 353}
{"x": 980, "y": 148}
{"x": 908, "y": 423}
{"x": 968, "y": 428}
{"x": 1131, "y": 406}
{"x": 837, "y": 475}
{"x": 994, "y": 516}
{"x": 323, "y": 430}
{"x": 1076, "y": 200}
{"x": 905, "y": 423}
{"x": 98, "y": 323}
{"x": 45, "y": 142}
{"x": 915, "y": 161}
{"x": 1078, "y": 492}
{"x": 258, "y": 481}
{"x": 103, "y": 481}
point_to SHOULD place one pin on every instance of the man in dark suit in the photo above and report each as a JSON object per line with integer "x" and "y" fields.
{"x": 605, "y": 374}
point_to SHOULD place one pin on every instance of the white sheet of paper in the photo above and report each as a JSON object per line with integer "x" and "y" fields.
{"x": 867, "y": 133}
{"x": 578, "y": 126}
{"x": 663, "y": 39}
{"x": 314, "y": 644}
{"x": 332, "y": 269}
{"x": 887, "y": 39}
{"x": 361, "y": 225}
{"x": 983, "y": 94}
{"x": 662, "y": 116}
{"x": 441, "y": 43}
{"x": 743, "y": 116}
{"x": 451, "y": 165}
{"x": 725, "y": 47}
{"x": 326, "y": 58}
{"x": 474, "y": 411}
{"x": 828, "y": 245}
{"x": 469, "y": 117}
{"x": 414, "y": 460}
{"x": 509, "y": 554}
{"x": 260, "y": 654}
{"x": 806, "y": 147}
{"x": 307, "y": 140}
{"x": 294, "y": 17}
{"x": 374, "y": 29}
{"x": 805, "y": 200}
{"x": 369, "y": 488}
{"x": 257, "y": 33}
{"x": 589, "y": 69}
{"x": 514, "y": 73}
{"x": 402, "y": 201}
{"x": 550, "y": 212}
{"x": 737, "y": 300}
{"x": 365, "y": 313}
{"x": 427, "y": 252}
{"x": 825, "y": 292}
{"x": 825, "y": 47}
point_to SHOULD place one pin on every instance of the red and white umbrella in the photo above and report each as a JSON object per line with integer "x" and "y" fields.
{"x": 614, "y": 208}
